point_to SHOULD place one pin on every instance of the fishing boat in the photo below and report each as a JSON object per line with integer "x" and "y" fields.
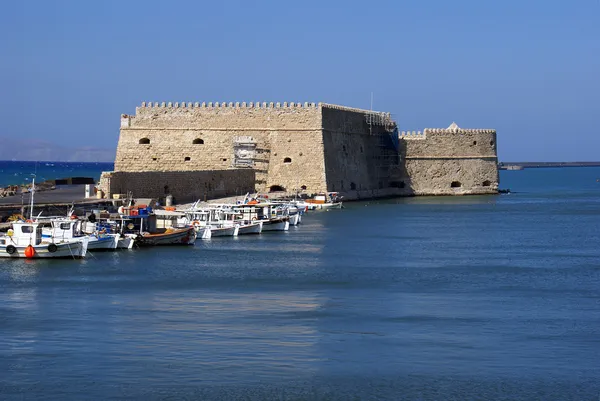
{"x": 208, "y": 220}
{"x": 330, "y": 200}
{"x": 148, "y": 232}
{"x": 25, "y": 240}
{"x": 264, "y": 213}
{"x": 62, "y": 229}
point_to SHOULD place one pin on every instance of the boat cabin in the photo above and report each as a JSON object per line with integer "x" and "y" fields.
{"x": 63, "y": 229}
{"x": 23, "y": 234}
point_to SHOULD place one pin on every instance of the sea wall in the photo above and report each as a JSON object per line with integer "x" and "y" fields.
{"x": 184, "y": 186}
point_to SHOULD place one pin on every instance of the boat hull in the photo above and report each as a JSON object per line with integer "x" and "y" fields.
{"x": 223, "y": 231}
{"x": 183, "y": 236}
{"x": 126, "y": 241}
{"x": 294, "y": 219}
{"x": 321, "y": 206}
{"x": 71, "y": 249}
{"x": 252, "y": 228}
{"x": 276, "y": 225}
{"x": 107, "y": 242}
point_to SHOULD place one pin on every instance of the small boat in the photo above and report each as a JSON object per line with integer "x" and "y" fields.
{"x": 170, "y": 236}
{"x": 264, "y": 213}
{"x": 25, "y": 240}
{"x": 73, "y": 229}
{"x": 147, "y": 233}
{"x": 330, "y": 200}
{"x": 250, "y": 228}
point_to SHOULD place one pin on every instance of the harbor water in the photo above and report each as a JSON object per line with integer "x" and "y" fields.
{"x": 434, "y": 298}
{"x": 21, "y": 172}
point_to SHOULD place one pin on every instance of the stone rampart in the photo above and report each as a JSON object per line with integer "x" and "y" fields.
{"x": 184, "y": 186}
{"x": 282, "y": 142}
{"x": 357, "y": 158}
{"x": 451, "y": 161}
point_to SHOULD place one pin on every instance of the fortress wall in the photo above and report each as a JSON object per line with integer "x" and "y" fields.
{"x": 437, "y": 158}
{"x": 306, "y": 164}
{"x": 355, "y": 161}
{"x": 288, "y": 130}
{"x": 435, "y": 176}
{"x": 451, "y": 143}
{"x": 185, "y": 186}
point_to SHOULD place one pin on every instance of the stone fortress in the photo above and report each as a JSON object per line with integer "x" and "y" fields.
{"x": 193, "y": 151}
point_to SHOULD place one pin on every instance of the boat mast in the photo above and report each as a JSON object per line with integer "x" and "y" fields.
{"x": 32, "y": 193}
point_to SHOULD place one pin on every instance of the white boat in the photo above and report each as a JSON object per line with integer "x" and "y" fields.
{"x": 25, "y": 240}
{"x": 72, "y": 229}
{"x": 263, "y": 213}
{"x": 330, "y": 200}
{"x": 250, "y": 228}
{"x": 207, "y": 221}
{"x": 231, "y": 218}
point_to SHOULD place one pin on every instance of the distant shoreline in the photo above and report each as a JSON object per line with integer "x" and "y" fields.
{"x": 523, "y": 165}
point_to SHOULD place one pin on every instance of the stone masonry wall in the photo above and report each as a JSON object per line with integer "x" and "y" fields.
{"x": 356, "y": 159}
{"x": 287, "y": 146}
{"x": 185, "y": 186}
{"x": 451, "y": 161}
{"x": 293, "y": 146}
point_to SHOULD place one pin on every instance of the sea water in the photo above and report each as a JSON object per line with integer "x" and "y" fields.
{"x": 434, "y": 298}
{"x": 22, "y": 172}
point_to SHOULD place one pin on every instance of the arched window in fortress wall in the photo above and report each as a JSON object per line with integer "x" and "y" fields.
{"x": 455, "y": 184}
{"x": 198, "y": 141}
{"x": 144, "y": 141}
{"x": 487, "y": 183}
{"x": 287, "y": 160}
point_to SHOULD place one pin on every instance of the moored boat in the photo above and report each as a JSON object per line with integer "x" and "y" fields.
{"x": 25, "y": 240}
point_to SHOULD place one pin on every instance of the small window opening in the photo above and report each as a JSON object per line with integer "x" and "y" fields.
{"x": 144, "y": 141}
{"x": 154, "y": 159}
{"x": 303, "y": 187}
{"x": 352, "y": 186}
{"x": 287, "y": 160}
{"x": 474, "y": 143}
{"x": 224, "y": 159}
{"x": 491, "y": 143}
{"x": 187, "y": 159}
{"x": 487, "y": 183}
{"x": 198, "y": 141}
{"x": 276, "y": 188}
{"x": 455, "y": 184}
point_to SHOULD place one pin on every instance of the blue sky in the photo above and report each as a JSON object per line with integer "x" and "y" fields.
{"x": 530, "y": 69}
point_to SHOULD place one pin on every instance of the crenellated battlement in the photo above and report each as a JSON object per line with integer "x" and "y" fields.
{"x": 458, "y": 131}
{"x": 237, "y": 105}
{"x": 455, "y": 129}
{"x": 354, "y": 109}
{"x": 413, "y": 135}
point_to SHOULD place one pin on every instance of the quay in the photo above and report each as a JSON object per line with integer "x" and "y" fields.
{"x": 56, "y": 201}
